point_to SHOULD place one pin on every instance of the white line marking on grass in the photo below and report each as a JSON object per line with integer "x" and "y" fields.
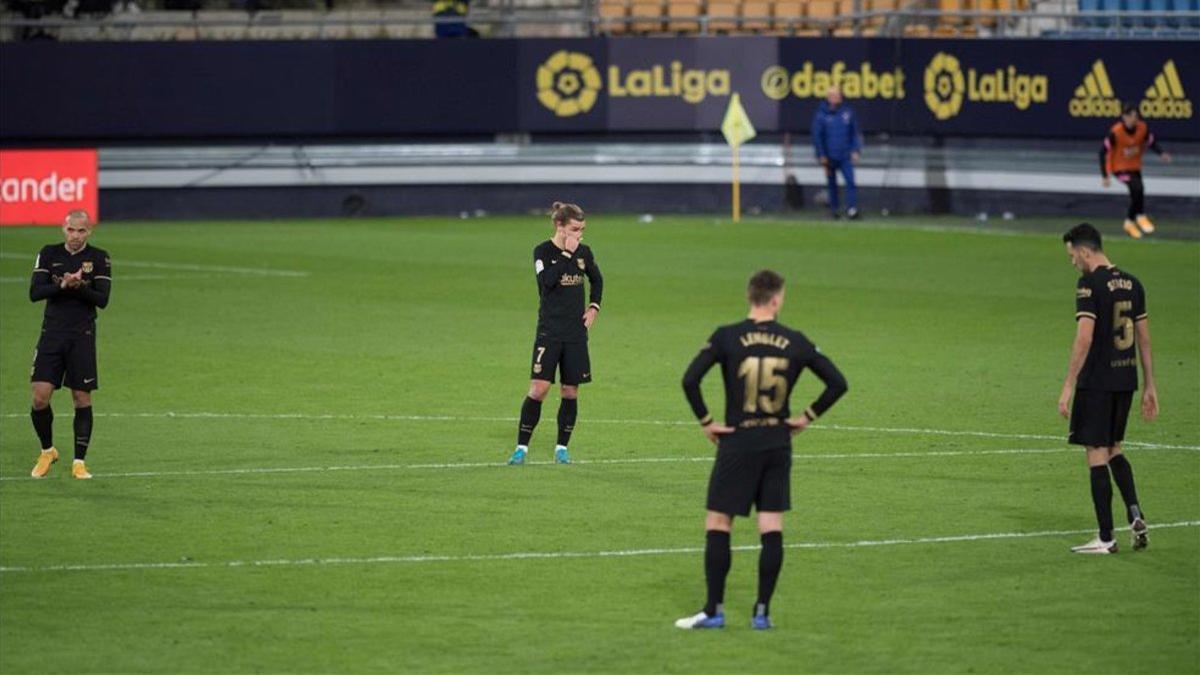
{"x": 130, "y": 277}
{"x": 548, "y": 555}
{"x": 499, "y": 464}
{"x": 122, "y": 263}
{"x": 666, "y": 423}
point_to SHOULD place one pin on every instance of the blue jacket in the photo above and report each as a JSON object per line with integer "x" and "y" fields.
{"x": 835, "y": 132}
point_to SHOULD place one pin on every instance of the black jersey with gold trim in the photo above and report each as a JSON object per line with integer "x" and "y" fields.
{"x": 560, "y": 279}
{"x": 1115, "y": 300}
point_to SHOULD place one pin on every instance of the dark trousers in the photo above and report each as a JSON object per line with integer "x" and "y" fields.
{"x": 847, "y": 168}
{"x": 1137, "y": 192}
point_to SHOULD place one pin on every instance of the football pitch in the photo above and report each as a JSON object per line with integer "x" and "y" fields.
{"x": 301, "y": 432}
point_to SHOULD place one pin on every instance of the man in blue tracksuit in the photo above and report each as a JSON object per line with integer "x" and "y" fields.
{"x": 837, "y": 143}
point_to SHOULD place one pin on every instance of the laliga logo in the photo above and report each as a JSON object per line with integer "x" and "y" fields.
{"x": 944, "y": 86}
{"x": 568, "y": 83}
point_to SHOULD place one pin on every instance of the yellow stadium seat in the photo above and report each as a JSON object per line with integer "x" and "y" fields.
{"x": 646, "y": 16}
{"x": 788, "y": 14}
{"x": 756, "y": 15}
{"x": 881, "y": 6}
{"x": 684, "y": 15}
{"x": 616, "y": 10}
{"x": 722, "y": 16}
{"x": 822, "y": 13}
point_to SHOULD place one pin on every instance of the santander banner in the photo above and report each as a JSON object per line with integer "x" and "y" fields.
{"x": 39, "y": 187}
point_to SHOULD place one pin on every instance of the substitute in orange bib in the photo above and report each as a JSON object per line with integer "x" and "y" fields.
{"x": 1121, "y": 156}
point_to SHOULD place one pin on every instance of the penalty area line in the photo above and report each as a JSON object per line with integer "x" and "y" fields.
{"x": 647, "y": 422}
{"x": 545, "y": 555}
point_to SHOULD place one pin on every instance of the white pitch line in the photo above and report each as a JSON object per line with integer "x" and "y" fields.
{"x": 667, "y": 423}
{"x": 493, "y": 465}
{"x": 547, "y": 555}
{"x": 121, "y": 263}
{"x": 130, "y": 277}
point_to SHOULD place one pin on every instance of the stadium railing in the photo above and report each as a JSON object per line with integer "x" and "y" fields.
{"x": 1156, "y": 19}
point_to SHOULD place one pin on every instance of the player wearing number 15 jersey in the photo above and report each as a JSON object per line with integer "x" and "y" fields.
{"x": 761, "y": 360}
{"x": 1112, "y": 332}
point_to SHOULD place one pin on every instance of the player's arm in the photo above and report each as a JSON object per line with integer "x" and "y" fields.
{"x": 835, "y": 388}
{"x": 98, "y": 290}
{"x": 548, "y": 274}
{"x": 1141, "y": 332}
{"x": 695, "y": 373}
{"x": 595, "y": 289}
{"x": 855, "y": 136}
{"x": 1157, "y": 147}
{"x": 41, "y": 283}
{"x": 1106, "y": 150}
{"x": 817, "y": 138}
{"x": 1085, "y": 329}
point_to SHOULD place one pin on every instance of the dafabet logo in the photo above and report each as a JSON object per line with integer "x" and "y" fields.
{"x": 947, "y": 86}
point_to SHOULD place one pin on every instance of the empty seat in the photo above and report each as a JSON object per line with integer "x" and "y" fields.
{"x": 722, "y": 16}
{"x": 646, "y": 16}
{"x": 684, "y": 16}
{"x": 615, "y": 12}
{"x": 789, "y": 14}
{"x": 756, "y": 15}
{"x": 822, "y": 14}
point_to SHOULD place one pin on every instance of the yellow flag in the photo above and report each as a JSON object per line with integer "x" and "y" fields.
{"x": 737, "y": 127}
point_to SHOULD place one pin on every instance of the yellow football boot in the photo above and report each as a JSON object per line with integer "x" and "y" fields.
{"x": 79, "y": 470}
{"x": 42, "y": 467}
{"x": 1132, "y": 230}
{"x": 1144, "y": 223}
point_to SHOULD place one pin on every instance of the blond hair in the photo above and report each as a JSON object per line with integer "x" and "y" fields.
{"x": 561, "y": 212}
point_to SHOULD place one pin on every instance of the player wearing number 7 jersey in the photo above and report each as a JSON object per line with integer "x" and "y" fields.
{"x": 760, "y": 361}
{"x": 1112, "y": 332}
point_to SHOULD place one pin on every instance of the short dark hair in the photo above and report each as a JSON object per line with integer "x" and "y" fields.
{"x": 763, "y": 286}
{"x": 1130, "y": 108}
{"x": 1085, "y": 235}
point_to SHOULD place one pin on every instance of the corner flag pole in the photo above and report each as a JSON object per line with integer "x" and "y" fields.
{"x": 737, "y": 129}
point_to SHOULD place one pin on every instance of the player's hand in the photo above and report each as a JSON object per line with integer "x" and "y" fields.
{"x": 799, "y": 424}
{"x": 823, "y": 160}
{"x": 72, "y": 280}
{"x": 570, "y": 243}
{"x": 714, "y": 431}
{"x": 1064, "y": 402}
{"x": 1166, "y": 157}
{"x": 1106, "y": 181}
{"x": 854, "y": 158}
{"x": 1150, "y": 404}
{"x": 589, "y": 317}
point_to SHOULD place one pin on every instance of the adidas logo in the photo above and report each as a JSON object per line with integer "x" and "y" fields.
{"x": 1165, "y": 98}
{"x": 1095, "y": 97}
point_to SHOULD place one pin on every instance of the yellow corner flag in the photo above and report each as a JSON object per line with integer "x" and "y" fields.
{"x": 737, "y": 129}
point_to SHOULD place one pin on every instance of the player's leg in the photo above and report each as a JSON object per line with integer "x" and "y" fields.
{"x": 49, "y": 366}
{"x": 851, "y": 189}
{"x": 1097, "y": 459}
{"x": 82, "y": 379}
{"x": 1137, "y": 194}
{"x": 1122, "y": 470}
{"x": 43, "y": 424}
{"x": 546, "y": 354}
{"x": 773, "y": 500}
{"x": 576, "y": 370}
{"x": 832, "y": 187}
{"x": 1131, "y": 213}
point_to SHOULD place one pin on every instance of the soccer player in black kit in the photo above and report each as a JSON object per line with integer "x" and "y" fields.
{"x": 74, "y": 279}
{"x": 560, "y": 265}
{"x": 1112, "y": 333}
{"x": 761, "y": 360}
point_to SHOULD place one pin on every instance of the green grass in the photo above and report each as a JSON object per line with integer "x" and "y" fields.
{"x": 393, "y": 320}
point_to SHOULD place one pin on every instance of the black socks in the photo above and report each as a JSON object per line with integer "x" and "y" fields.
{"x": 43, "y": 423}
{"x": 83, "y": 431}
{"x": 531, "y": 412}
{"x": 717, "y": 559}
{"x": 770, "y": 561}
{"x": 1102, "y": 499}
{"x": 1122, "y": 474}
{"x": 568, "y": 409}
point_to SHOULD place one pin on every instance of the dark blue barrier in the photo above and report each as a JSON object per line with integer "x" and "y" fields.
{"x": 1044, "y": 88}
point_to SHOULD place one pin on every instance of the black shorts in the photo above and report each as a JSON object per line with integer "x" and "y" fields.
{"x": 571, "y": 358}
{"x": 1098, "y": 418}
{"x": 66, "y": 358}
{"x": 743, "y": 477}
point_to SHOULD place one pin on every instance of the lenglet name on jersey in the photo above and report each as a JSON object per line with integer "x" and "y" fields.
{"x": 777, "y": 341}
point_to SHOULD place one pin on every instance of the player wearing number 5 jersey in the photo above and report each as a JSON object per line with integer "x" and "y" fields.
{"x": 1112, "y": 333}
{"x": 760, "y": 361}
